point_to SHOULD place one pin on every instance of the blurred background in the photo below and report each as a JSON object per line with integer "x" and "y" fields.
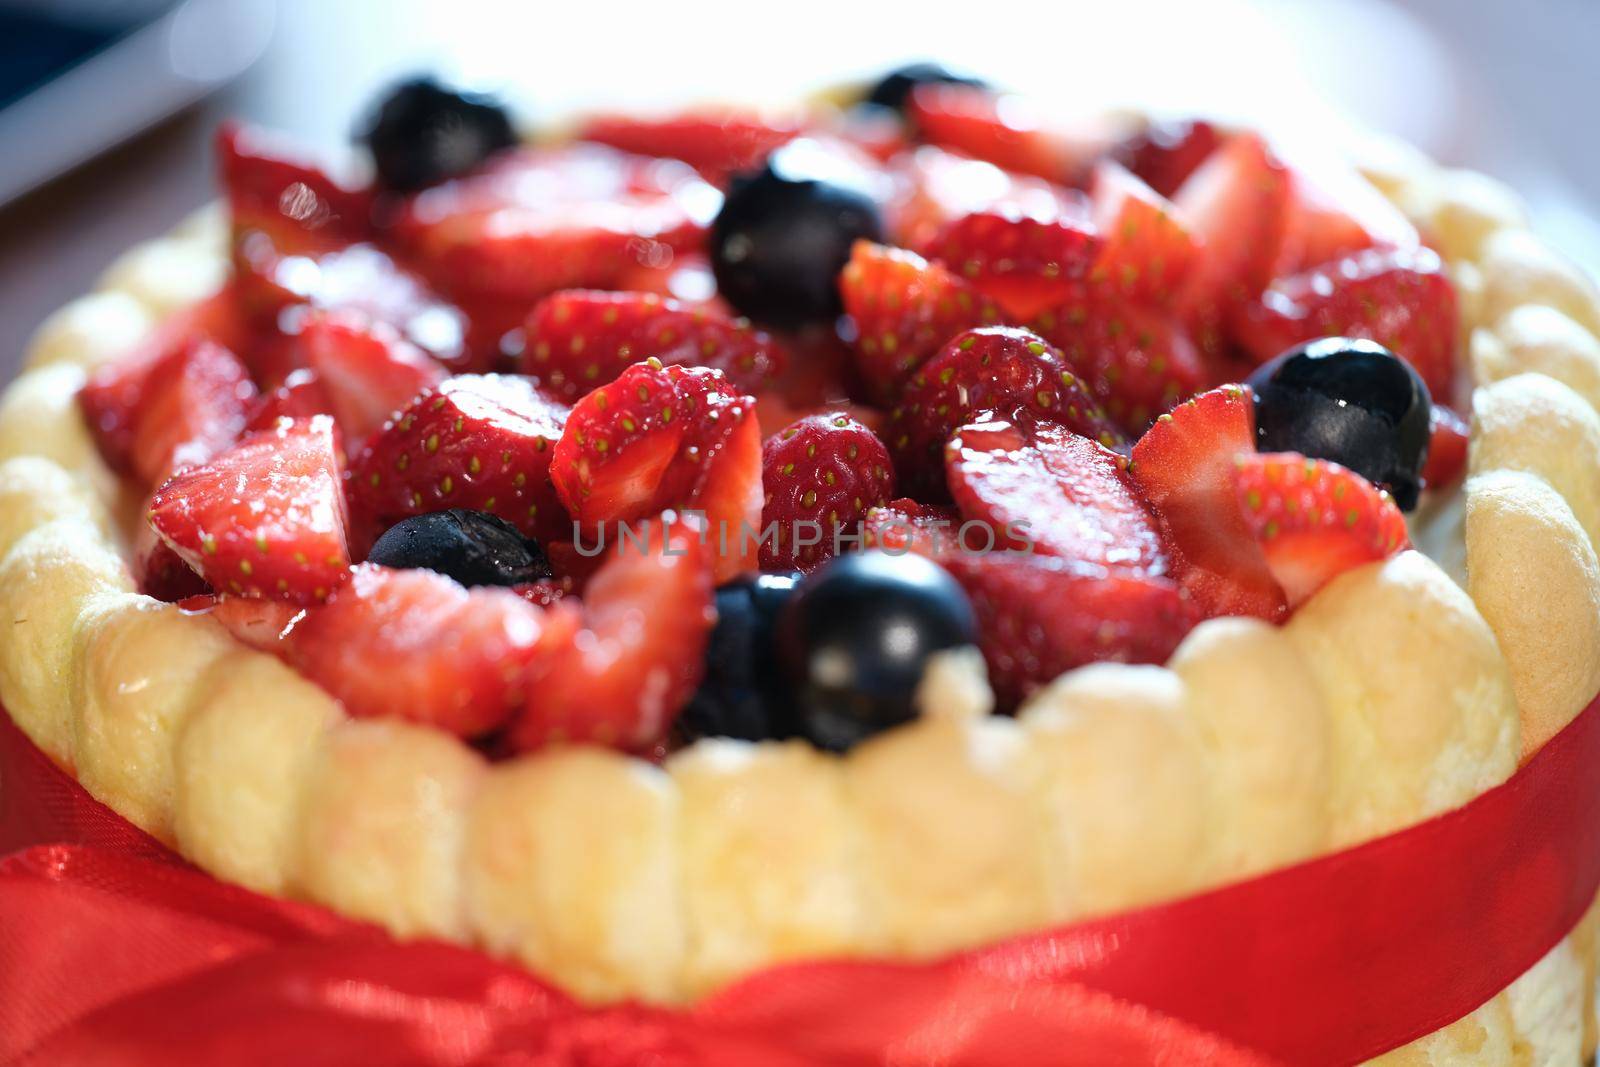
{"x": 118, "y": 149}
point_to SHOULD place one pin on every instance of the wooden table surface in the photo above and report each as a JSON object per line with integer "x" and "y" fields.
{"x": 1413, "y": 67}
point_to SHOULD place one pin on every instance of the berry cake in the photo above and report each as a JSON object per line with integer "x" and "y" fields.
{"x": 667, "y": 546}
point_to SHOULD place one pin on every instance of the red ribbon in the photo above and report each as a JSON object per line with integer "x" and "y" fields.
{"x": 112, "y": 951}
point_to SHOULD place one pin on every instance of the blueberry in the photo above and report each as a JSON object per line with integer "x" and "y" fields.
{"x": 1350, "y": 401}
{"x": 855, "y": 637}
{"x": 741, "y": 695}
{"x": 785, "y": 231}
{"x": 472, "y": 547}
{"x": 893, "y": 89}
{"x": 424, "y": 133}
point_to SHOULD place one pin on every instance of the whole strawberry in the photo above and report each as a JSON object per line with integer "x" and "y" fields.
{"x": 579, "y": 339}
{"x": 820, "y": 475}
{"x": 998, "y": 369}
{"x": 478, "y": 441}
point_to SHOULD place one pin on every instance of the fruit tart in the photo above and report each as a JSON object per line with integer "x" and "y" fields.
{"x": 666, "y": 546}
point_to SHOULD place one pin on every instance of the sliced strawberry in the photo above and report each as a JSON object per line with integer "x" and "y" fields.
{"x": 904, "y": 308}
{"x": 999, "y": 129}
{"x": 536, "y": 220}
{"x": 265, "y": 518}
{"x": 647, "y": 614}
{"x": 160, "y": 572}
{"x": 1183, "y": 466}
{"x": 1039, "y": 617}
{"x": 1314, "y": 519}
{"x": 292, "y": 201}
{"x": 197, "y": 401}
{"x": 996, "y": 368}
{"x": 115, "y": 394}
{"x": 661, "y": 437}
{"x": 933, "y": 188}
{"x": 412, "y": 644}
{"x": 717, "y": 142}
{"x": 369, "y": 372}
{"x": 579, "y": 339}
{"x": 478, "y": 441}
{"x": 1236, "y": 204}
{"x": 300, "y": 396}
{"x": 1166, "y": 152}
{"x": 1148, "y": 251}
{"x": 904, "y": 525}
{"x": 820, "y": 475}
{"x": 1045, "y": 489}
{"x": 1025, "y": 263}
{"x": 365, "y": 280}
{"x": 264, "y": 625}
{"x": 286, "y": 213}
{"x": 1398, "y": 297}
{"x": 1334, "y": 212}
{"x": 1138, "y": 360}
{"x": 1448, "y": 438}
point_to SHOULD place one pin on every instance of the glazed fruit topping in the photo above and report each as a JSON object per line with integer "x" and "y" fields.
{"x": 423, "y": 133}
{"x": 855, "y": 639}
{"x": 1166, "y": 152}
{"x": 995, "y": 128}
{"x": 997, "y": 369}
{"x": 902, "y": 310}
{"x": 479, "y": 441}
{"x": 1235, "y": 204}
{"x": 820, "y": 475}
{"x": 1025, "y": 263}
{"x": 1040, "y": 617}
{"x": 785, "y": 231}
{"x": 717, "y": 142}
{"x": 1148, "y": 251}
{"x": 117, "y": 394}
{"x": 472, "y": 547}
{"x": 1184, "y": 468}
{"x": 580, "y": 339}
{"x": 1351, "y": 402}
{"x": 1314, "y": 519}
{"x": 647, "y": 615}
{"x": 1136, "y": 359}
{"x": 532, "y": 221}
{"x": 415, "y": 644}
{"x": 1399, "y": 298}
{"x": 661, "y": 437}
{"x": 571, "y": 458}
{"x": 196, "y": 403}
{"x": 1043, "y": 489}
{"x": 264, "y": 518}
{"x": 365, "y": 369}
